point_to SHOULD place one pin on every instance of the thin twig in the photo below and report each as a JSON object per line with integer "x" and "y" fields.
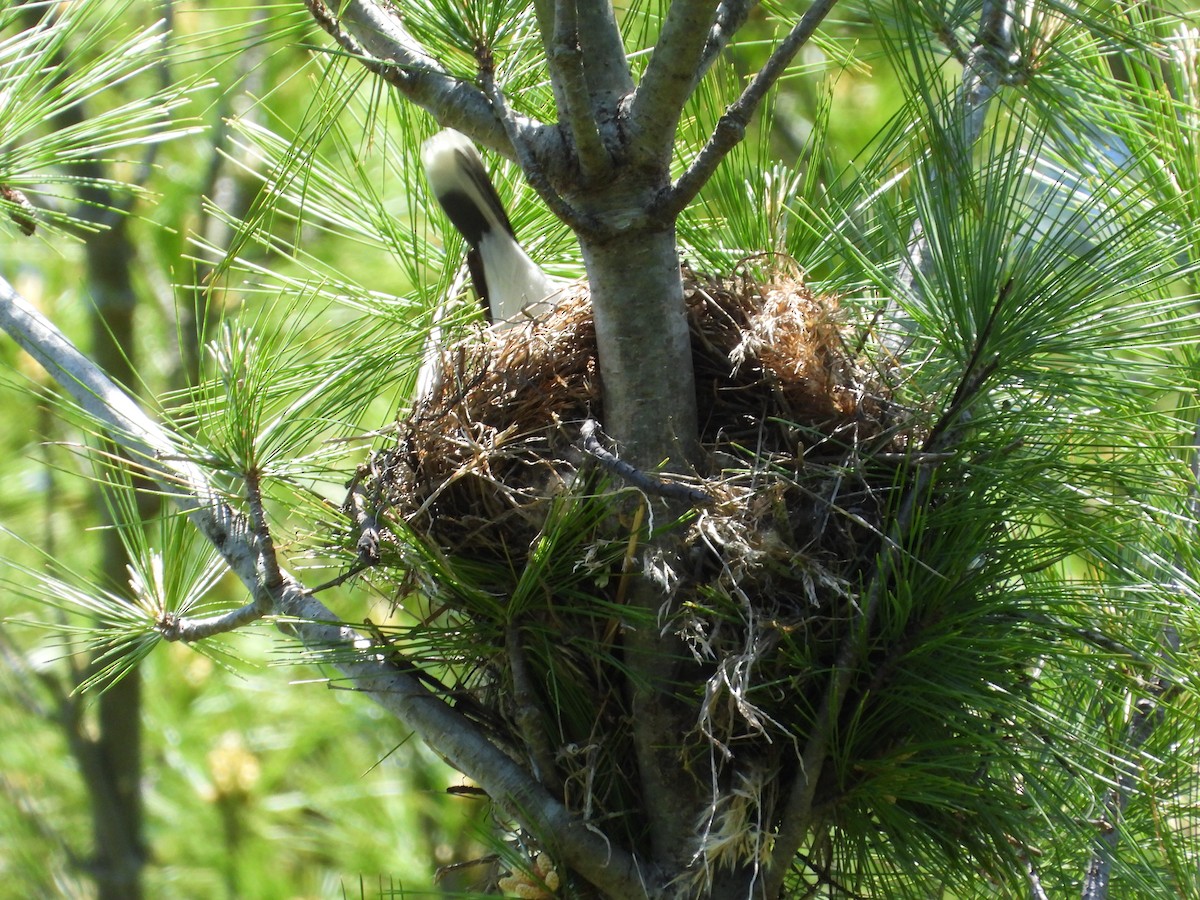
{"x": 1036, "y": 891}
{"x": 731, "y": 128}
{"x": 532, "y": 170}
{"x": 357, "y": 568}
{"x": 365, "y": 512}
{"x": 380, "y": 43}
{"x": 731, "y": 15}
{"x": 635, "y": 476}
{"x": 173, "y": 627}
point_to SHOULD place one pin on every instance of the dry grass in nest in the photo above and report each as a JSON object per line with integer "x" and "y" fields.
{"x": 797, "y": 432}
{"x": 481, "y": 454}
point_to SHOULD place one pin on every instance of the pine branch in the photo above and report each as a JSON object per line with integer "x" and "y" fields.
{"x": 797, "y": 818}
{"x": 1149, "y": 713}
{"x": 379, "y": 41}
{"x": 534, "y": 173}
{"x": 731, "y": 15}
{"x": 1036, "y": 891}
{"x": 988, "y": 64}
{"x": 669, "y": 78}
{"x": 530, "y": 716}
{"x": 381, "y": 33}
{"x": 446, "y": 730}
{"x": 606, "y": 69}
{"x": 564, "y": 55}
{"x": 982, "y": 77}
{"x": 731, "y": 128}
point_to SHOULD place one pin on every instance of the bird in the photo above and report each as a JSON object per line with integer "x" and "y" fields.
{"x": 510, "y": 285}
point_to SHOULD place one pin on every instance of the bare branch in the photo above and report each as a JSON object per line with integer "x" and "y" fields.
{"x": 531, "y": 718}
{"x": 1036, "y": 891}
{"x": 641, "y": 480}
{"x": 731, "y": 15}
{"x": 379, "y": 41}
{"x": 1148, "y": 714}
{"x": 381, "y": 34}
{"x": 731, "y": 128}
{"x": 179, "y": 628}
{"x": 534, "y": 173}
{"x": 445, "y": 729}
{"x": 565, "y": 58}
{"x": 669, "y": 78}
{"x": 606, "y": 68}
{"x": 988, "y": 63}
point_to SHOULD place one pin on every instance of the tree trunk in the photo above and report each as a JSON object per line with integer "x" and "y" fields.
{"x": 117, "y": 749}
{"x": 645, "y": 351}
{"x": 650, "y": 410}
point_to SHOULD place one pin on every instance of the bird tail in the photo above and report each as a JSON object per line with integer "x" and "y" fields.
{"x": 506, "y": 279}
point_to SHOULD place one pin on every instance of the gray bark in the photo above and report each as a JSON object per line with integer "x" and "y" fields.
{"x": 645, "y": 351}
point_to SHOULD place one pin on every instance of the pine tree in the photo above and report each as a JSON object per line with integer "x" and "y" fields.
{"x": 832, "y": 538}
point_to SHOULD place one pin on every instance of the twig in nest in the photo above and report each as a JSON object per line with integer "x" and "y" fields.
{"x": 634, "y": 475}
{"x": 527, "y": 712}
{"x": 365, "y": 512}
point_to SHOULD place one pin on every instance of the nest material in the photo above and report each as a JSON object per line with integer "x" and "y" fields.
{"x": 482, "y": 453}
{"x": 794, "y": 426}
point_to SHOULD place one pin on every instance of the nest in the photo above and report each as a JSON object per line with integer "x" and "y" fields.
{"x": 798, "y": 433}
{"x": 498, "y": 434}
